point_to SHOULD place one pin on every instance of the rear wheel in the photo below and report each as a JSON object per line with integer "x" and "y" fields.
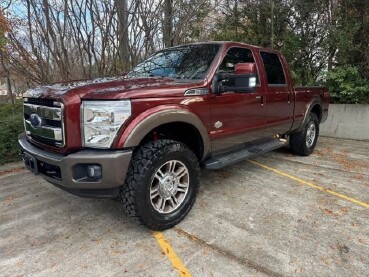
{"x": 304, "y": 142}
{"x": 162, "y": 184}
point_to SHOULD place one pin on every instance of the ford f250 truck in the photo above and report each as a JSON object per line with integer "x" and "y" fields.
{"x": 142, "y": 137}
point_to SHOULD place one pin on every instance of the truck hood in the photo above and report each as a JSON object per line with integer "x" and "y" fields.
{"x": 114, "y": 88}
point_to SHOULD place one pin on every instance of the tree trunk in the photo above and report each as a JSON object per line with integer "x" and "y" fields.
{"x": 168, "y": 23}
{"x": 7, "y": 78}
{"x": 332, "y": 20}
{"x": 10, "y": 91}
{"x": 272, "y": 22}
{"x": 123, "y": 40}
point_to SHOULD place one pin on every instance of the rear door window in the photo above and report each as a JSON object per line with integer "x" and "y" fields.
{"x": 273, "y": 68}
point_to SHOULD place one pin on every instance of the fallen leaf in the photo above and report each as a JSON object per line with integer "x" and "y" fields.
{"x": 98, "y": 241}
{"x": 20, "y": 263}
{"x": 14, "y": 170}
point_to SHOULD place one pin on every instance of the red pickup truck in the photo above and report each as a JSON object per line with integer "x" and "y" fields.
{"x": 142, "y": 137}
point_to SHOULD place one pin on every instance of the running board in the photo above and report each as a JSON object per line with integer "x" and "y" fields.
{"x": 233, "y": 157}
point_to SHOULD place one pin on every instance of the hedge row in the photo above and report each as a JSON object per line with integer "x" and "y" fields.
{"x": 11, "y": 124}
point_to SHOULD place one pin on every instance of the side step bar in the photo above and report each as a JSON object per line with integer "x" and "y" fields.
{"x": 233, "y": 157}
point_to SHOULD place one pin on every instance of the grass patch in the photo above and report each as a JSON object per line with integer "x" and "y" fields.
{"x": 11, "y": 125}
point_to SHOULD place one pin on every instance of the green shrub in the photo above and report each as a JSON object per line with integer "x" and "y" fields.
{"x": 11, "y": 124}
{"x": 347, "y": 86}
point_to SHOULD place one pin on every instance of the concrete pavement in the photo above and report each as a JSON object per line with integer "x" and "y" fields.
{"x": 247, "y": 221}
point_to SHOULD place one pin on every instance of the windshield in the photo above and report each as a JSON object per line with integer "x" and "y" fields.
{"x": 184, "y": 62}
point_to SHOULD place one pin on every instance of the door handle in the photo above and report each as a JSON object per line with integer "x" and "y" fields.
{"x": 261, "y": 98}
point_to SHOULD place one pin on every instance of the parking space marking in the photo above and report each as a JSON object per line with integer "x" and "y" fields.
{"x": 317, "y": 187}
{"x": 172, "y": 256}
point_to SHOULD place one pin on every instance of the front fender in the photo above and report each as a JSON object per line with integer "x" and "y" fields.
{"x": 154, "y": 117}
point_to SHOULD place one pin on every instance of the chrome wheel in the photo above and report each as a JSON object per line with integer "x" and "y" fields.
{"x": 169, "y": 186}
{"x": 310, "y": 134}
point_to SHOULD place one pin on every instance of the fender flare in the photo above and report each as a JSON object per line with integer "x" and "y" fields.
{"x": 315, "y": 101}
{"x": 154, "y": 117}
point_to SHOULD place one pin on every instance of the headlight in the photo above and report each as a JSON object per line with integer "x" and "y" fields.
{"x": 101, "y": 121}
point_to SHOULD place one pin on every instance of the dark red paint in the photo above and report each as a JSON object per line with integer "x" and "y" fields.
{"x": 244, "y": 116}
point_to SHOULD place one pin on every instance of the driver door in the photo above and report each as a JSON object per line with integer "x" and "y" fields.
{"x": 236, "y": 117}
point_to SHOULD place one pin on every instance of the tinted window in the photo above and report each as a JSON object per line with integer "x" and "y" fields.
{"x": 184, "y": 62}
{"x": 234, "y": 56}
{"x": 273, "y": 68}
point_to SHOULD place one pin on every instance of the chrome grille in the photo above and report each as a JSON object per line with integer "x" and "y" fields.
{"x": 43, "y": 121}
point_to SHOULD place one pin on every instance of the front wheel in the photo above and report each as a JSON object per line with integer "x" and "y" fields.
{"x": 161, "y": 184}
{"x": 304, "y": 142}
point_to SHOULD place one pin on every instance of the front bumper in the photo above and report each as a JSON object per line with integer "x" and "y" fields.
{"x": 70, "y": 172}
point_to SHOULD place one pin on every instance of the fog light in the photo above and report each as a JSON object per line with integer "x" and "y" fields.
{"x": 94, "y": 171}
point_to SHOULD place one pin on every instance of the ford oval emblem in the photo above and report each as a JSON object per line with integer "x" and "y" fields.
{"x": 35, "y": 120}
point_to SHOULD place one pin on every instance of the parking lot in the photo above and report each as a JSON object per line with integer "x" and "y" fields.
{"x": 277, "y": 215}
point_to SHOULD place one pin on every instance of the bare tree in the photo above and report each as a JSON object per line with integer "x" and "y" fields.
{"x": 5, "y": 73}
{"x": 168, "y": 23}
{"x": 123, "y": 45}
{"x": 73, "y": 39}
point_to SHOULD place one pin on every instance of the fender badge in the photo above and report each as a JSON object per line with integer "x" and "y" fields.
{"x": 218, "y": 124}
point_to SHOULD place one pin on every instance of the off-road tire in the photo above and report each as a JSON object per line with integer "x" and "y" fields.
{"x": 298, "y": 143}
{"x": 135, "y": 194}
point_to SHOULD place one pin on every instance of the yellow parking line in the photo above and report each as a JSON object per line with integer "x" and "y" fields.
{"x": 317, "y": 187}
{"x": 172, "y": 256}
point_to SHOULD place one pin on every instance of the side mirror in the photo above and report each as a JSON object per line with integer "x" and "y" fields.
{"x": 242, "y": 80}
{"x": 245, "y": 68}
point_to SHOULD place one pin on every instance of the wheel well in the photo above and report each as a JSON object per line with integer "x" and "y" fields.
{"x": 179, "y": 131}
{"x": 317, "y": 109}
